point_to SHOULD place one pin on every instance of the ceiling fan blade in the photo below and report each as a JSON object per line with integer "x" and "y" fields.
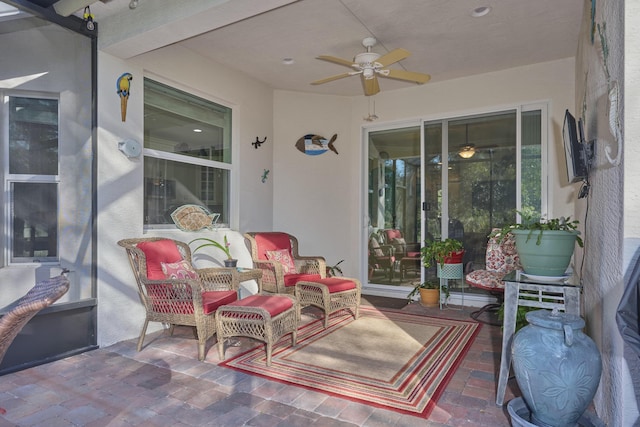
{"x": 335, "y": 60}
{"x": 332, "y": 78}
{"x": 406, "y": 75}
{"x": 371, "y": 86}
{"x": 393, "y": 57}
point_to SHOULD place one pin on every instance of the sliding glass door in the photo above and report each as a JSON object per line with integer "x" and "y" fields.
{"x": 458, "y": 177}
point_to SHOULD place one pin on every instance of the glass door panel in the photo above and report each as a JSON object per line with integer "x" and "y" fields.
{"x": 394, "y": 206}
{"x": 481, "y": 180}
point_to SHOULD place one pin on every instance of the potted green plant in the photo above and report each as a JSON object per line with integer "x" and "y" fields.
{"x": 429, "y": 292}
{"x": 449, "y": 251}
{"x": 226, "y": 248}
{"x": 545, "y": 247}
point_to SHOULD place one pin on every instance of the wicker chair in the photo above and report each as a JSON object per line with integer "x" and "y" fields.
{"x": 18, "y": 313}
{"x": 169, "y": 296}
{"x": 276, "y": 254}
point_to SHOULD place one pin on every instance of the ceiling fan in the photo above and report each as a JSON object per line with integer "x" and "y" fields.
{"x": 370, "y": 65}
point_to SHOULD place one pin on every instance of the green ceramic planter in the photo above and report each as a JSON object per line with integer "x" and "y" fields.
{"x": 551, "y": 257}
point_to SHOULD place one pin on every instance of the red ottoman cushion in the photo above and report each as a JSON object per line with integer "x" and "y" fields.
{"x": 273, "y": 304}
{"x": 336, "y": 284}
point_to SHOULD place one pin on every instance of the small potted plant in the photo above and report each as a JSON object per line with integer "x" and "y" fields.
{"x": 448, "y": 251}
{"x": 545, "y": 247}
{"x": 429, "y": 292}
{"x": 335, "y": 270}
{"x": 226, "y": 248}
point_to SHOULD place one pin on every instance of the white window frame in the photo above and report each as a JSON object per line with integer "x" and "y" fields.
{"x": 194, "y": 161}
{"x": 8, "y": 178}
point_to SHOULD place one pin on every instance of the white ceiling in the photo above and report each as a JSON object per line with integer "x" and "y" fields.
{"x": 254, "y": 36}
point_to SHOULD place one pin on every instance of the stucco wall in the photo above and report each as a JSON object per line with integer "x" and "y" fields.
{"x": 599, "y": 70}
{"x": 120, "y": 193}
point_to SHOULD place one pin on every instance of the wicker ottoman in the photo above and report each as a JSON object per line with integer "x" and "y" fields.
{"x": 330, "y": 294}
{"x": 264, "y": 317}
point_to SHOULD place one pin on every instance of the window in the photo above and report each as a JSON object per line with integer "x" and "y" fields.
{"x": 187, "y": 160}
{"x": 33, "y": 178}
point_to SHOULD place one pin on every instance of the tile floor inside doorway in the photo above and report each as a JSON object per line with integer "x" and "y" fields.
{"x": 165, "y": 385}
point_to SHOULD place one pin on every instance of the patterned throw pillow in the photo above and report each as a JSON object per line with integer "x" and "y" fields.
{"x": 283, "y": 257}
{"x": 399, "y": 244}
{"x": 375, "y": 247}
{"x": 179, "y": 270}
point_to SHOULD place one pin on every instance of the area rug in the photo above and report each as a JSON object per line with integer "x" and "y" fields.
{"x": 386, "y": 358}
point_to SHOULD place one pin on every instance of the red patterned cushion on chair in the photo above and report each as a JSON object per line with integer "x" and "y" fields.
{"x": 271, "y": 241}
{"x": 283, "y": 256}
{"x": 157, "y": 252}
{"x": 502, "y": 257}
{"x": 488, "y": 280}
{"x": 178, "y": 270}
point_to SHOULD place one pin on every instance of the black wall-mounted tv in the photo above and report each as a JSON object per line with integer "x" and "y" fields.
{"x": 576, "y": 151}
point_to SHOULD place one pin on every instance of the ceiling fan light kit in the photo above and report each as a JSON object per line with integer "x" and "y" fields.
{"x": 369, "y": 65}
{"x": 467, "y": 151}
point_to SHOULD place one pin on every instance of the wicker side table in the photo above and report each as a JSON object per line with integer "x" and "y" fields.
{"x": 263, "y": 317}
{"x": 330, "y": 294}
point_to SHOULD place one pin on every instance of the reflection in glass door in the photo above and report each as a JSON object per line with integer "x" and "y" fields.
{"x": 394, "y": 206}
{"x": 480, "y": 170}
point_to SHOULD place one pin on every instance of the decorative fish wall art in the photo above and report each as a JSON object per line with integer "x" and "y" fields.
{"x": 314, "y": 145}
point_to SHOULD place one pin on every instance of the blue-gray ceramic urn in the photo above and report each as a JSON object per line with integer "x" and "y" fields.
{"x": 557, "y": 367}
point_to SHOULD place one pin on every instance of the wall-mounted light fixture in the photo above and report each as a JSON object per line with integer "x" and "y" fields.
{"x": 130, "y": 148}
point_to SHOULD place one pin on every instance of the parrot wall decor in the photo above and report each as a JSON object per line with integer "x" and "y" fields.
{"x": 123, "y": 86}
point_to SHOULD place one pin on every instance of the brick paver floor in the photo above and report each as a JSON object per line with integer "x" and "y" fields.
{"x": 166, "y": 385}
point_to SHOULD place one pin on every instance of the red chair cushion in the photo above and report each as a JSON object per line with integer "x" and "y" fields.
{"x": 212, "y": 300}
{"x": 272, "y": 303}
{"x": 413, "y": 254}
{"x": 158, "y": 252}
{"x": 271, "y": 241}
{"x": 337, "y": 284}
{"x": 292, "y": 279}
{"x": 393, "y": 234}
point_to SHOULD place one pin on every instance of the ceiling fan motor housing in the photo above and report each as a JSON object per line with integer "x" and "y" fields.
{"x": 366, "y": 58}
